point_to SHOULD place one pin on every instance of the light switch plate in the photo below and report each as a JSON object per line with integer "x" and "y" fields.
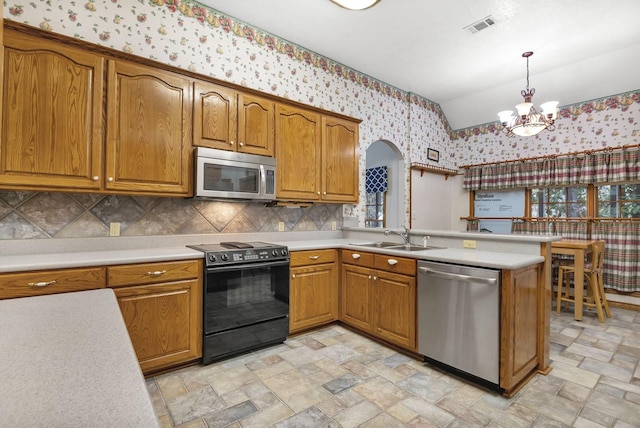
{"x": 281, "y": 226}
{"x": 114, "y": 229}
{"x": 334, "y": 225}
{"x": 469, "y": 244}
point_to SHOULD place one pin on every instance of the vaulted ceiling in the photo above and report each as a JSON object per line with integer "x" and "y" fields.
{"x": 583, "y": 49}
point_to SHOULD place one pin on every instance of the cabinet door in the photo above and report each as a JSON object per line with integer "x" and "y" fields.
{"x": 298, "y": 153}
{"x": 256, "y": 117}
{"x": 214, "y": 116}
{"x": 314, "y": 296}
{"x": 164, "y": 322}
{"x": 395, "y": 308}
{"x": 519, "y": 339}
{"x": 356, "y": 299}
{"x": 149, "y": 130}
{"x": 51, "y": 115}
{"x": 339, "y": 160}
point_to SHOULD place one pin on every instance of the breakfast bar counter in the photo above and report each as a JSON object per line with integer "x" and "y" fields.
{"x": 67, "y": 360}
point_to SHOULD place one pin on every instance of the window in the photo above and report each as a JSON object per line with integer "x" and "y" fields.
{"x": 559, "y": 202}
{"x": 375, "y": 207}
{"x": 619, "y": 201}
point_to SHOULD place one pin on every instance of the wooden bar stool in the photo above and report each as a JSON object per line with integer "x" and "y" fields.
{"x": 595, "y": 296}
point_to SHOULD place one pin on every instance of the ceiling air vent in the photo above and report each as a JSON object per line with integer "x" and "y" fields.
{"x": 480, "y": 25}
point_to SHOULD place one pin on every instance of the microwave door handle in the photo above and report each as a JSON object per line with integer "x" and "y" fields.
{"x": 263, "y": 182}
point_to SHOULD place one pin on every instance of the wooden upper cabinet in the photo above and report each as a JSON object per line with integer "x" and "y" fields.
{"x": 340, "y": 160}
{"x": 51, "y": 115}
{"x": 214, "y": 116}
{"x": 228, "y": 120}
{"x": 256, "y": 121}
{"x": 149, "y": 130}
{"x": 298, "y": 153}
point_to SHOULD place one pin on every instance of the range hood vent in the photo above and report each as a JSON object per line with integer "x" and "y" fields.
{"x": 483, "y": 24}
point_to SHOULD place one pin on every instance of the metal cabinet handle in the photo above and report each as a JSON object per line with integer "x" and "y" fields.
{"x": 369, "y": 276}
{"x": 95, "y": 178}
{"x": 110, "y": 179}
{"x": 314, "y": 257}
{"x": 375, "y": 278}
{"x": 41, "y": 284}
{"x": 293, "y": 275}
{"x": 356, "y": 256}
{"x": 157, "y": 273}
{"x": 392, "y": 262}
{"x": 231, "y": 143}
{"x": 241, "y": 144}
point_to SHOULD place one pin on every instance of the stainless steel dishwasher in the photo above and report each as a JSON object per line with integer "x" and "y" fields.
{"x": 459, "y": 320}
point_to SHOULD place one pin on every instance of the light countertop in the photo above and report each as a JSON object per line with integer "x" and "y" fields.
{"x": 62, "y": 259}
{"x": 67, "y": 360}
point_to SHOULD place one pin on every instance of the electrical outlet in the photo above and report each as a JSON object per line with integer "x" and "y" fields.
{"x": 334, "y": 225}
{"x": 281, "y": 226}
{"x": 469, "y": 244}
{"x": 114, "y": 229}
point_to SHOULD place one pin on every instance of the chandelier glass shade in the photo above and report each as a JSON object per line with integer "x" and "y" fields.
{"x": 356, "y": 4}
{"x": 529, "y": 121}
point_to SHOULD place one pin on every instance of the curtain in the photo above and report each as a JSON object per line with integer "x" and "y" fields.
{"x": 601, "y": 167}
{"x": 622, "y": 254}
{"x": 376, "y": 179}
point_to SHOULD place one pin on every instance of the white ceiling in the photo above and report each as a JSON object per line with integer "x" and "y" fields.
{"x": 583, "y": 49}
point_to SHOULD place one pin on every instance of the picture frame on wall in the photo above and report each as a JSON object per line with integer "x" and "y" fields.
{"x": 433, "y": 155}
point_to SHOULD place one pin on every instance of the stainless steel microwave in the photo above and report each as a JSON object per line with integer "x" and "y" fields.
{"x": 222, "y": 174}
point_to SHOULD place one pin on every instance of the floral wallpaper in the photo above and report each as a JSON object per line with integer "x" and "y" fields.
{"x": 610, "y": 122}
{"x": 188, "y": 35}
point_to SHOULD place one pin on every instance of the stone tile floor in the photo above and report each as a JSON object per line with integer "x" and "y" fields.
{"x": 333, "y": 377}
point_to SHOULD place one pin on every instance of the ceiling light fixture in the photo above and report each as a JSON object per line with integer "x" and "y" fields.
{"x": 356, "y": 4}
{"x": 529, "y": 121}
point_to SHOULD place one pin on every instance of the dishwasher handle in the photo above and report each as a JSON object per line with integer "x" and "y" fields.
{"x": 457, "y": 276}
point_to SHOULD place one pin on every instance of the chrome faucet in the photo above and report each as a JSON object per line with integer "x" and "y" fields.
{"x": 404, "y": 233}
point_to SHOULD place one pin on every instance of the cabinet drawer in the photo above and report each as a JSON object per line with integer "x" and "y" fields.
{"x": 358, "y": 258}
{"x": 395, "y": 264}
{"x": 147, "y": 273}
{"x": 312, "y": 257}
{"x": 51, "y": 282}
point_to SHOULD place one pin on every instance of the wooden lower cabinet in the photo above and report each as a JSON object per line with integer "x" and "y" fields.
{"x": 161, "y": 304}
{"x": 313, "y": 299}
{"x": 520, "y": 344}
{"x": 394, "y": 310}
{"x": 379, "y": 296}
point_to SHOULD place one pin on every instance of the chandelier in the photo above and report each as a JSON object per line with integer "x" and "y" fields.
{"x": 356, "y": 4}
{"x": 529, "y": 121}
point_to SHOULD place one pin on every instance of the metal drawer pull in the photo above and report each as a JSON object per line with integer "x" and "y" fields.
{"x": 375, "y": 278}
{"x": 392, "y": 262}
{"x": 293, "y": 276}
{"x": 157, "y": 273}
{"x": 355, "y": 256}
{"x": 41, "y": 284}
{"x": 314, "y": 257}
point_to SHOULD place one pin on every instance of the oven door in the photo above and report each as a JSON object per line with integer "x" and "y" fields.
{"x": 245, "y": 307}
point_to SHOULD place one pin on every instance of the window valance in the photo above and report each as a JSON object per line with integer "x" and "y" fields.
{"x": 376, "y": 179}
{"x": 606, "y": 166}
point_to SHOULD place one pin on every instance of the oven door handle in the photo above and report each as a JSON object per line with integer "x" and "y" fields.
{"x": 243, "y": 266}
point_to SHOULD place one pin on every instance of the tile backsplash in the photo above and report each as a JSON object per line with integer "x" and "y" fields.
{"x": 42, "y": 215}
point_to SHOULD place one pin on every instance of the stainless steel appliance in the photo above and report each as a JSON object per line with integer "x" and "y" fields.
{"x": 246, "y": 297}
{"x": 223, "y": 174}
{"x": 459, "y": 320}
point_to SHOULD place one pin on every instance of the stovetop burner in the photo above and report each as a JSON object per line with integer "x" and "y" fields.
{"x": 234, "y": 252}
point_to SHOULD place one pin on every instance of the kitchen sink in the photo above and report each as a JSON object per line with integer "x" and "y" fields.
{"x": 413, "y": 247}
{"x": 394, "y": 246}
{"x": 381, "y": 244}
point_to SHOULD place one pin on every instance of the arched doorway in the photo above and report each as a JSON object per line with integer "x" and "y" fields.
{"x": 385, "y": 154}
